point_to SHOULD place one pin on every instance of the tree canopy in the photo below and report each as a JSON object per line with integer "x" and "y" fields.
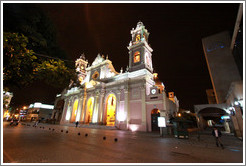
{"x": 28, "y": 32}
{"x": 21, "y": 66}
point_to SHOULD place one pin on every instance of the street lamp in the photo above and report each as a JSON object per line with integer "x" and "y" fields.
{"x": 232, "y": 111}
{"x": 236, "y": 103}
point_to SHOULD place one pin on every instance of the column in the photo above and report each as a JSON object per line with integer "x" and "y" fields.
{"x": 239, "y": 119}
{"x": 95, "y": 110}
{"x": 117, "y": 107}
{"x": 143, "y": 98}
{"x": 71, "y": 109}
{"x": 126, "y": 106}
{"x": 100, "y": 109}
{"x": 64, "y": 112}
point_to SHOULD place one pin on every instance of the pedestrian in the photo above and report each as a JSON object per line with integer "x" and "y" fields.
{"x": 77, "y": 123}
{"x": 36, "y": 123}
{"x": 217, "y": 134}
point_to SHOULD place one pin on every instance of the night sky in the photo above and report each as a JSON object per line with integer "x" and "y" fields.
{"x": 175, "y": 30}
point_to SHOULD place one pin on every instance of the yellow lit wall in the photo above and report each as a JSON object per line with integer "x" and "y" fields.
{"x": 75, "y": 107}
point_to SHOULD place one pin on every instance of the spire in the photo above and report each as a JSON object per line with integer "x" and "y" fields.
{"x": 82, "y": 56}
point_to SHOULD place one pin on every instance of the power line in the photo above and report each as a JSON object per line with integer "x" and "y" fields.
{"x": 52, "y": 57}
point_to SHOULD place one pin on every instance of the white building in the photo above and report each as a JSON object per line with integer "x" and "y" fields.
{"x": 128, "y": 100}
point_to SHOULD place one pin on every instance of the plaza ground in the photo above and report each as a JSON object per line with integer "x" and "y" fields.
{"x": 48, "y": 144}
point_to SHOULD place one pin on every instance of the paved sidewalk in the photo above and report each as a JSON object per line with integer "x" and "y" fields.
{"x": 68, "y": 144}
{"x": 206, "y": 139}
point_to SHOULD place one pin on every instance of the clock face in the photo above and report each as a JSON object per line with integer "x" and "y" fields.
{"x": 153, "y": 91}
{"x": 148, "y": 59}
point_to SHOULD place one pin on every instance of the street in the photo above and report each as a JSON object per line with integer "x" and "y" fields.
{"x": 62, "y": 144}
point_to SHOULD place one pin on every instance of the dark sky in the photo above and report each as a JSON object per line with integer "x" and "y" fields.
{"x": 175, "y": 30}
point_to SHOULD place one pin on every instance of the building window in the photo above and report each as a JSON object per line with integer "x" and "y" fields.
{"x": 136, "y": 57}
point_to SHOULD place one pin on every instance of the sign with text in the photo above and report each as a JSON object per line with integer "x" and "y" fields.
{"x": 161, "y": 122}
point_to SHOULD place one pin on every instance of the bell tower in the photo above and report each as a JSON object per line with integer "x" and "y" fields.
{"x": 140, "y": 53}
{"x": 81, "y": 65}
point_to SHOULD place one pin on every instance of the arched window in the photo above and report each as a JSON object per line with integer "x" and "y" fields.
{"x": 136, "y": 57}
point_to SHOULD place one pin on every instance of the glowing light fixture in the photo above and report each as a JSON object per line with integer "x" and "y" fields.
{"x": 236, "y": 103}
{"x": 133, "y": 128}
{"x": 225, "y": 117}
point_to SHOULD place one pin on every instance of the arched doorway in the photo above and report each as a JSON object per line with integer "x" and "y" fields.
{"x": 155, "y": 113}
{"x": 75, "y": 110}
{"x": 89, "y": 110}
{"x": 110, "y": 110}
{"x": 211, "y": 116}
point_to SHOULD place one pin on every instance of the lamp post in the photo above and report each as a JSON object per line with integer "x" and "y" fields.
{"x": 237, "y": 117}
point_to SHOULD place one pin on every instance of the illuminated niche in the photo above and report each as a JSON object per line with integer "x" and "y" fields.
{"x": 136, "y": 57}
{"x": 137, "y": 37}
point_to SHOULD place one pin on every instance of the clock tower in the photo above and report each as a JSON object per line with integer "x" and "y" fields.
{"x": 140, "y": 53}
{"x": 80, "y": 66}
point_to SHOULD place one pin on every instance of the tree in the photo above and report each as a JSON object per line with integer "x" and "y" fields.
{"x": 21, "y": 67}
{"x": 55, "y": 73}
{"x": 18, "y": 61}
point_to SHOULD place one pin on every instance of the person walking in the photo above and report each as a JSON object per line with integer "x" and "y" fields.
{"x": 77, "y": 123}
{"x": 36, "y": 123}
{"x": 217, "y": 134}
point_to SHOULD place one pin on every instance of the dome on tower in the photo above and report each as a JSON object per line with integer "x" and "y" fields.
{"x": 139, "y": 24}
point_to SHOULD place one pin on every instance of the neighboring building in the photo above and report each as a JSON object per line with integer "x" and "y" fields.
{"x": 224, "y": 59}
{"x": 128, "y": 100}
{"x": 211, "y": 96}
{"x": 23, "y": 114}
{"x": 221, "y": 64}
{"x": 38, "y": 111}
{"x": 7, "y": 96}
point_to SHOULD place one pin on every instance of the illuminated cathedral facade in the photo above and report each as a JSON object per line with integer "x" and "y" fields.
{"x": 129, "y": 100}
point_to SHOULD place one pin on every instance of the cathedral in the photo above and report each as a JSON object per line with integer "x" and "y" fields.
{"x": 129, "y": 100}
